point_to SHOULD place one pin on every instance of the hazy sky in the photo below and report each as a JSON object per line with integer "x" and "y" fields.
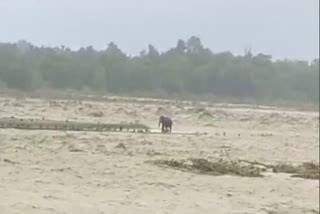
{"x": 283, "y": 28}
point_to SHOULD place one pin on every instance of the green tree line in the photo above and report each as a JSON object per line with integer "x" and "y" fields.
{"x": 188, "y": 68}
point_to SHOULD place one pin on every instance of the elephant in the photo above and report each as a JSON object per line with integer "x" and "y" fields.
{"x": 166, "y": 123}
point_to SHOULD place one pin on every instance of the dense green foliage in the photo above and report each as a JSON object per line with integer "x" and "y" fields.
{"x": 189, "y": 68}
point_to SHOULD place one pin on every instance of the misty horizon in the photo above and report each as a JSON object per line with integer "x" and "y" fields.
{"x": 284, "y": 29}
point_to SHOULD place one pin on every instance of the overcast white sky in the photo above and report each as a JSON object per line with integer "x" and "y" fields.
{"x": 283, "y": 28}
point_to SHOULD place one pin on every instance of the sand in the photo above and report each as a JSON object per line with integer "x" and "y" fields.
{"x": 88, "y": 172}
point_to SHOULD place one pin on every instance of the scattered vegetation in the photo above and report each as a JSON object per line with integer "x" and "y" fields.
{"x": 308, "y": 170}
{"x": 96, "y": 114}
{"x": 204, "y": 166}
{"x": 244, "y": 168}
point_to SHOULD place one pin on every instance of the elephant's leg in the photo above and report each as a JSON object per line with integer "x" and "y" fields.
{"x": 167, "y": 128}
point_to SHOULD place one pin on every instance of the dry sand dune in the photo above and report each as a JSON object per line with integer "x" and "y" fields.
{"x": 92, "y": 172}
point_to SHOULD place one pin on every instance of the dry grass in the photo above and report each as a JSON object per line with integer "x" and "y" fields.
{"x": 204, "y": 166}
{"x": 307, "y": 170}
{"x": 96, "y": 114}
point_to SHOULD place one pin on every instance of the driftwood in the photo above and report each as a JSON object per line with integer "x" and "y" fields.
{"x": 257, "y": 163}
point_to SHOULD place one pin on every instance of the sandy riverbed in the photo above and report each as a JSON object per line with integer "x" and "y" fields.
{"x": 86, "y": 172}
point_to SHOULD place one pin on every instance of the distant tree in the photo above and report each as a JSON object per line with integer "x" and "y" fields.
{"x": 152, "y": 52}
{"x": 194, "y": 45}
{"x": 181, "y": 47}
